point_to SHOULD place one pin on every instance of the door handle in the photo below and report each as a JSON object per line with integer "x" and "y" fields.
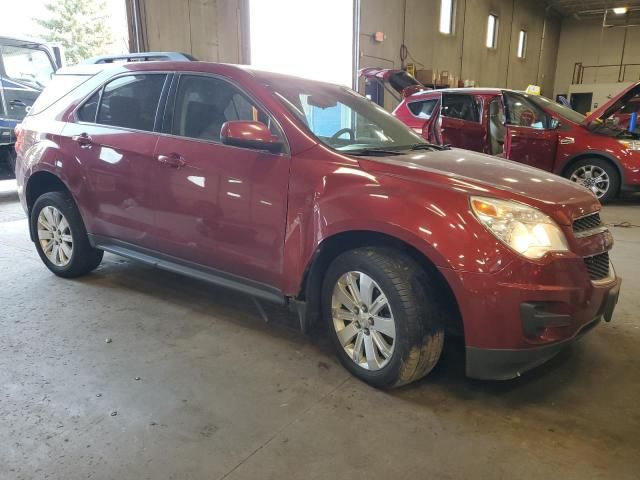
{"x": 17, "y": 103}
{"x": 84, "y": 140}
{"x": 173, "y": 160}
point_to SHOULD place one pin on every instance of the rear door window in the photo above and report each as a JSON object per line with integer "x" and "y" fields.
{"x": 423, "y": 108}
{"x": 463, "y": 107}
{"x": 130, "y": 101}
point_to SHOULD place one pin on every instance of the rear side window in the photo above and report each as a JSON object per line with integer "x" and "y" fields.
{"x": 57, "y": 88}
{"x": 87, "y": 113}
{"x": 130, "y": 101}
{"x": 422, "y": 109}
{"x": 463, "y": 107}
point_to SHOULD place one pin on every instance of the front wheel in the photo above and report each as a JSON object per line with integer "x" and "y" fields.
{"x": 61, "y": 238}
{"x": 383, "y": 317}
{"x": 600, "y": 176}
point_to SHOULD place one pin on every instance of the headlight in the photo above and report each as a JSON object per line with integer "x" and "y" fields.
{"x": 522, "y": 228}
{"x": 630, "y": 144}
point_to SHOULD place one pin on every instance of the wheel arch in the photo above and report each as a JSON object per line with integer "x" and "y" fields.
{"x": 334, "y": 245}
{"x": 592, "y": 154}
{"x": 38, "y": 184}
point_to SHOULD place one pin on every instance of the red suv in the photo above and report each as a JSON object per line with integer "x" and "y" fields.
{"x": 530, "y": 129}
{"x": 307, "y": 194}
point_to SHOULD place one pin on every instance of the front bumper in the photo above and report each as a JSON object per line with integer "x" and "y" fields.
{"x": 505, "y": 364}
{"x": 521, "y": 317}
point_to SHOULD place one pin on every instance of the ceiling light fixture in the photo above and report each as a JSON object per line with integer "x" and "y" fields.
{"x": 620, "y": 10}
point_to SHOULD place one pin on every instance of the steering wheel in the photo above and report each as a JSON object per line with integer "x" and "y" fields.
{"x": 342, "y": 131}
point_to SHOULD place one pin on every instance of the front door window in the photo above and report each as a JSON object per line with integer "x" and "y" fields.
{"x": 203, "y": 104}
{"x": 521, "y": 112}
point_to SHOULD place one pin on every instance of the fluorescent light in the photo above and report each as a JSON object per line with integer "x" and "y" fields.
{"x": 620, "y": 10}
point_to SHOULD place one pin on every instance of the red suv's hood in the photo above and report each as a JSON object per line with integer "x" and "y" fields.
{"x": 481, "y": 174}
{"x": 614, "y": 105}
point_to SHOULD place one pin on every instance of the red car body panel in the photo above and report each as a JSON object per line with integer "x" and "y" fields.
{"x": 264, "y": 216}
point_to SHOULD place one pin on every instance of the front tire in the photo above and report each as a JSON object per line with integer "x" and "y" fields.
{"x": 600, "y": 176}
{"x": 384, "y": 320}
{"x": 61, "y": 237}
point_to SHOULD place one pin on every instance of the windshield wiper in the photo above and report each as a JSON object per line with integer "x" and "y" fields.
{"x": 372, "y": 152}
{"x": 428, "y": 146}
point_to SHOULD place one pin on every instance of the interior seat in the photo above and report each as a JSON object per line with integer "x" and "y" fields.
{"x": 204, "y": 121}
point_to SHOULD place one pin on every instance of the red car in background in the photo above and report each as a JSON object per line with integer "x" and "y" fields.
{"x": 531, "y": 129}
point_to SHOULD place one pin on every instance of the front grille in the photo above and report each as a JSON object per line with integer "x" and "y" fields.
{"x": 587, "y": 223}
{"x": 598, "y": 266}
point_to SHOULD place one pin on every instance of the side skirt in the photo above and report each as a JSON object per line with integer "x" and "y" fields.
{"x": 193, "y": 270}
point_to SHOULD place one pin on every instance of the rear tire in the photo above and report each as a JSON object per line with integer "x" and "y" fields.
{"x": 587, "y": 171}
{"x": 61, "y": 237}
{"x": 400, "y": 338}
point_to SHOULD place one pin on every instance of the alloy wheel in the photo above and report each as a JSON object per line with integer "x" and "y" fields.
{"x": 363, "y": 320}
{"x": 592, "y": 177}
{"x": 54, "y": 235}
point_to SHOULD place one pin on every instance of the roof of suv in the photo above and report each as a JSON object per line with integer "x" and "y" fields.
{"x": 142, "y": 57}
{"x": 177, "y": 66}
{"x": 467, "y": 90}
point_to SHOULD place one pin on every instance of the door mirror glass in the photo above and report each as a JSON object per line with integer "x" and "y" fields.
{"x": 250, "y": 134}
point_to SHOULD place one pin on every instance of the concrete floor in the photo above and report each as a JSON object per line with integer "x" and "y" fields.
{"x": 222, "y": 395}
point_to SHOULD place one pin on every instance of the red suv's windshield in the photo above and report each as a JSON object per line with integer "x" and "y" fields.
{"x": 555, "y": 107}
{"x": 341, "y": 118}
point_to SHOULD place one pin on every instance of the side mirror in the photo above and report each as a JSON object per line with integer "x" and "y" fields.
{"x": 247, "y": 134}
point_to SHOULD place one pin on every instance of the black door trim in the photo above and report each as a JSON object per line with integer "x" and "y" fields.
{"x": 190, "y": 269}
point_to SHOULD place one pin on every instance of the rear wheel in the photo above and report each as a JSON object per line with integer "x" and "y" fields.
{"x": 61, "y": 238}
{"x": 383, "y": 319}
{"x": 600, "y": 176}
